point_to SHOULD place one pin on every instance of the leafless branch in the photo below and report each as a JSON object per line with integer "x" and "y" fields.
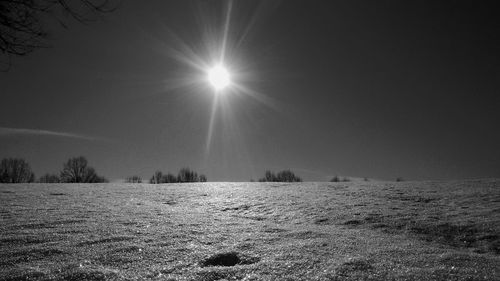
{"x": 21, "y": 28}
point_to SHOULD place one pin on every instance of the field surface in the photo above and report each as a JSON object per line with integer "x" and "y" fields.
{"x": 251, "y": 231}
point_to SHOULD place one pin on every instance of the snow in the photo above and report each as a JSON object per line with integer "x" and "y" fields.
{"x": 251, "y": 231}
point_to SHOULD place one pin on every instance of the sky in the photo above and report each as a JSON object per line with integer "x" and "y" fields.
{"x": 377, "y": 89}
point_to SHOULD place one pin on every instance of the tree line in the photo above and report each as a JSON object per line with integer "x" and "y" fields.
{"x": 184, "y": 175}
{"x": 283, "y": 176}
{"x": 75, "y": 170}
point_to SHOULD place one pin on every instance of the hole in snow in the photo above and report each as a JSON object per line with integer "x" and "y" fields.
{"x": 227, "y": 259}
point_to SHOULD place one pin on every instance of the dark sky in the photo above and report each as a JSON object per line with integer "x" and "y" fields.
{"x": 378, "y": 89}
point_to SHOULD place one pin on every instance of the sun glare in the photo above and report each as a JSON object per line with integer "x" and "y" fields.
{"x": 218, "y": 77}
{"x": 209, "y": 60}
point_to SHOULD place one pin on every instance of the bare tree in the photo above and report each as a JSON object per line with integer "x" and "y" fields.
{"x": 21, "y": 22}
{"x": 15, "y": 170}
{"x": 283, "y": 176}
{"x": 203, "y": 178}
{"x": 156, "y": 178}
{"x": 186, "y": 175}
{"x": 77, "y": 170}
{"x": 169, "y": 178}
{"x": 268, "y": 176}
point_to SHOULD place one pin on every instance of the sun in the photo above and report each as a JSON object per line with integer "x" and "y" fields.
{"x": 219, "y": 77}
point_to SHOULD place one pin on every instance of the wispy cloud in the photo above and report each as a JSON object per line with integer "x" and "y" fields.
{"x": 37, "y": 132}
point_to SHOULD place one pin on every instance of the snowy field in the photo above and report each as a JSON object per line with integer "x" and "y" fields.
{"x": 251, "y": 231}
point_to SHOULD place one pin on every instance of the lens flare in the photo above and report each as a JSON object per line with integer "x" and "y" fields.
{"x": 218, "y": 76}
{"x": 216, "y": 62}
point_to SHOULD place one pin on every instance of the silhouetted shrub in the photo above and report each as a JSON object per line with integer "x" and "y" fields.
{"x": 399, "y": 179}
{"x": 156, "y": 178}
{"x": 184, "y": 175}
{"x": 76, "y": 170}
{"x": 169, "y": 178}
{"x": 338, "y": 179}
{"x": 203, "y": 178}
{"x": 15, "y": 170}
{"x": 283, "y": 176}
{"x": 134, "y": 179}
{"x": 288, "y": 176}
{"x": 268, "y": 176}
{"x": 49, "y": 178}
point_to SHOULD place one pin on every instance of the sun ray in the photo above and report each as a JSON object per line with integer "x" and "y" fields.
{"x": 185, "y": 54}
{"x": 261, "y": 98}
{"x": 258, "y": 16}
{"x": 226, "y": 31}
{"x": 211, "y": 125}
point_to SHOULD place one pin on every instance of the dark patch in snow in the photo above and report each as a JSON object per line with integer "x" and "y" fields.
{"x": 322, "y": 221}
{"x": 237, "y": 208}
{"x": 255, "y": 218}
{"x": 372, "y": 218}
{"x": 228, "y": 259}
{"x": 57, "y": 194}
{"x": 225, "y": 259}
{"x": 130, "y": 223}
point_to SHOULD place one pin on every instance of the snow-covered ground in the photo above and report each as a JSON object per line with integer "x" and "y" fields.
{"x": 446, "y": 230}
